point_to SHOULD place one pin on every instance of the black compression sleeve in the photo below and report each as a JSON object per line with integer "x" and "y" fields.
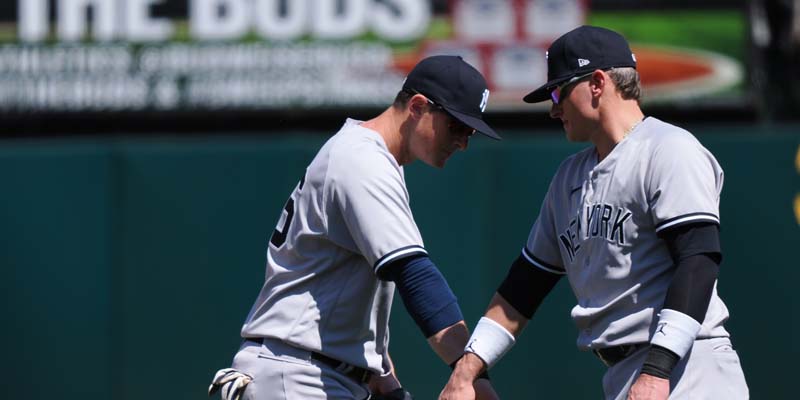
{"x": 696, "y": 252}
{"x": 660, "y": 362}
{"x": 692, "y": 285}
{"x": 687, "y": 240}
{"x": 695, "y": 249}
{"x": 526, "y": 286}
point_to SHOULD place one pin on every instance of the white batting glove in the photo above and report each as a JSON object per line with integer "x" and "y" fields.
{"x": 232, "y": 383}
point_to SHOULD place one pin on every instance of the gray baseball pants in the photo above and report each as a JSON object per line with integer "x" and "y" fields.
{"x": 283, "y": 372}
{"x": 710, "y": 371}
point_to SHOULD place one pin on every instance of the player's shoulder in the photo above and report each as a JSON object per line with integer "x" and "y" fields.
{"x": 659, "y": 134}
{"x": 666, "y": 144}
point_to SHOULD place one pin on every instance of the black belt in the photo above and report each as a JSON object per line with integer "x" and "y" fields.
{"x": 358, "y": 374}
{"x": 612, "y": 355}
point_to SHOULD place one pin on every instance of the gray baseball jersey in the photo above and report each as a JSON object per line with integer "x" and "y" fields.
{"x": 348, "y": 217}
{"x": 599, "y": 225}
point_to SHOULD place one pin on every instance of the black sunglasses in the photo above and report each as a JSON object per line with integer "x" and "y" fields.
{"x": 555, "y": 94}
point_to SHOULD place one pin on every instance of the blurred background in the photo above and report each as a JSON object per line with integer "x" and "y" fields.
{"x": 147, "y": 148}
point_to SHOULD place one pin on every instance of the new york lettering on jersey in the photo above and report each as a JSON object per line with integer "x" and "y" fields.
{"x": 598, "y": 223}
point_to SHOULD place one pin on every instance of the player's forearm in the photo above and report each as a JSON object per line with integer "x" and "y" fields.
{"x": 507, "y": 316}
{"x": 449, "y": 342}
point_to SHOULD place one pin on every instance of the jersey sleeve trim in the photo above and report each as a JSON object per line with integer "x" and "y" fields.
{"x": 687, "y": 219}
{"x": 398, "y": 253}
{"x": 541, "y": 264}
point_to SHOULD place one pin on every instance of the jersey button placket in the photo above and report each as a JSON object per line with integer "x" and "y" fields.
{"x": 590, "y": 187}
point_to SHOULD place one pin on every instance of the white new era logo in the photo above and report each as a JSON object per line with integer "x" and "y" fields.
{"x": 582, "y": 62}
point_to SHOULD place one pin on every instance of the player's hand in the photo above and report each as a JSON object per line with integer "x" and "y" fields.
{"x": 387, "y": 388}
{"x": 462, "y": 383}
{"x": 649, "y": 387}
{"x": 383, "y": 384}
{"x": 457, "y": 390}
{"x": 232, "y": 383}
{"x": 460, "y": 386}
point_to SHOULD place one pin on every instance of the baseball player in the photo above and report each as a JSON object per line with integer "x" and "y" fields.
{"x": 319, "y": 328}
{"x": 633, "y": 222}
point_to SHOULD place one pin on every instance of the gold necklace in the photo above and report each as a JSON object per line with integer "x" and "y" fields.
{"x": 624, "y": 135}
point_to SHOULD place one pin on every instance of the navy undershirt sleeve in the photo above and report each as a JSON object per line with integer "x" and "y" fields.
{"x": 425, "y": 293}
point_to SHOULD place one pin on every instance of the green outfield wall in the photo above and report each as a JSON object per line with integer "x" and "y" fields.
{"x": 128, "y": 265}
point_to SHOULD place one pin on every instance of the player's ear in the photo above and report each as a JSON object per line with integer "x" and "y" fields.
{"x": 417, "y": 105}
{"x": 598, "y": 82}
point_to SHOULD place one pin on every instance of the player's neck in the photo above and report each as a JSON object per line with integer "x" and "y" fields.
{"x": 615, "y": 125}
{"x": 389, "y": 125}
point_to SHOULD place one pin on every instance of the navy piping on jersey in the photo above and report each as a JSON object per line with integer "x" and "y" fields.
{"x": 395, "y": 254}
{"x": 541, "y": 264}
{"x": 687, "y": 218}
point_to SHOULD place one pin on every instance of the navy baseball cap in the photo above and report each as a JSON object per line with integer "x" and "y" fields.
{"x": 581, "y": 51}
{"x": 456, "y": 86}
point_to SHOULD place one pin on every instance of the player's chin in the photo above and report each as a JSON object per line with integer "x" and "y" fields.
{"x": 443, "y": 160}
{"x": 572, "y": 136}
{"x": 437, "y": 162}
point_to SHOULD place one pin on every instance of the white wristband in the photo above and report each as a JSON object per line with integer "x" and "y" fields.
{"x": 489, "y": 341}
{"x": 676, "y": 331}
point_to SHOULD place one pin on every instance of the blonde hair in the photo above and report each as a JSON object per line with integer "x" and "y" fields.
{"x": 627, "y": 82}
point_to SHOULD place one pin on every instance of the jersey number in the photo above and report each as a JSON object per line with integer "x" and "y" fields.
{"x": 279, "y": 236}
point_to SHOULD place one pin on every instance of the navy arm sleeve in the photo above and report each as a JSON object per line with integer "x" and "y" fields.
{"x": 526, "y": 286}
{"x": 425, "y": 293}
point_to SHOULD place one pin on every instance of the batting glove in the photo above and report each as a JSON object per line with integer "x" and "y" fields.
{"x": 232, "y": 383}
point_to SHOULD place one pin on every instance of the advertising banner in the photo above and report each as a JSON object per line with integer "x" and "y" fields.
{"x": 89, "y": 56}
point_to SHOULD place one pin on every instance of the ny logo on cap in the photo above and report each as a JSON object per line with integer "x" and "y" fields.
{"x": 583, "y": 61}
{"x": 484, "y": 100}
